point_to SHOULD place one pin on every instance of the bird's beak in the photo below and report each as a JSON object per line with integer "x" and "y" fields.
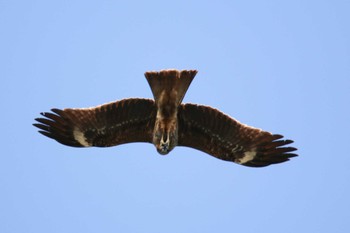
{"x": 164, "y": 145}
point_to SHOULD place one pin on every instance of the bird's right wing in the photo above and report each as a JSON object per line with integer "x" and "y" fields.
{"x": 128, "y": 120}
{"x": 215, "y": 133}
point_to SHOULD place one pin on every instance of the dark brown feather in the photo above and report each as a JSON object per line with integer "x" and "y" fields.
{"x": 215, "y": 133}
{"x": 166, "y": 123}
{"x": 128, "y": 120}
{"x": 168, "y": 81}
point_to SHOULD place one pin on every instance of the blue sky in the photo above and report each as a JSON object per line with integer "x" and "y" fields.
{"x": 283, "y": 66}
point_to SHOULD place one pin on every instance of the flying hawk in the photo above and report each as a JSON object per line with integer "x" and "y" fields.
{"x": 166, "y": 123}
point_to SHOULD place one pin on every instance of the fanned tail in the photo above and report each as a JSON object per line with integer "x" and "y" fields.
{"x": 167, "y": 82}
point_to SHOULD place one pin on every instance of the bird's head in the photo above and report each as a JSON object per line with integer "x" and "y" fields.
{"x": 165, "y": 139}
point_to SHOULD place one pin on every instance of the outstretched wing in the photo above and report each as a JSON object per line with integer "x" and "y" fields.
{"x": 129, "y": 120}
{"x": 215, "y": 133}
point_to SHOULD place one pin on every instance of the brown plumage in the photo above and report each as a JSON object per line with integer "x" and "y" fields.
{"x": 166, "y": 123}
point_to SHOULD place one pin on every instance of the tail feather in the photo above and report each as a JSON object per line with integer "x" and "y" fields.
{"x": 170, "y": 81}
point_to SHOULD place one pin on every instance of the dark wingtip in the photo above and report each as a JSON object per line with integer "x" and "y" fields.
{"x": 46, "y": 133}
{"x": 290, "y": 149}
{"x": 291, "y": 155}
{"x": 56, "y": 110}
{"x": 273, "y": 152}
{"x": 276, "y": 136}
{"x": 41, "y": 126}
{"x": 288, "y": 141}
{"x": 56, "y": 126}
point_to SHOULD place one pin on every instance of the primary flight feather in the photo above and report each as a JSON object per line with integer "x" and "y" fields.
{"x": 166, "y": 123}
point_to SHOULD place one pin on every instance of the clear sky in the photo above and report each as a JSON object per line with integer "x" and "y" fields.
{"x": 283, "y": 66}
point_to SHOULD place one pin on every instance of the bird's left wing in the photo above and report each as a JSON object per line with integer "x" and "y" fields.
{"x": 128, "y": 120}
{"x": 215, "y": 133}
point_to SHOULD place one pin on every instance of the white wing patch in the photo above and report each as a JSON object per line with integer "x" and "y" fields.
{"x": 79, "y": 136}
{"x": 248, "y": 156}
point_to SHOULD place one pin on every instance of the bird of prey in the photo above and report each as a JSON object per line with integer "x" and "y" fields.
{"x": 166, "y": 122}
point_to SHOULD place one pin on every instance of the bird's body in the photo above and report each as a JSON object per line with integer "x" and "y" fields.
{"x": 168, "y": 88}
{"x": 166, "y": 123}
